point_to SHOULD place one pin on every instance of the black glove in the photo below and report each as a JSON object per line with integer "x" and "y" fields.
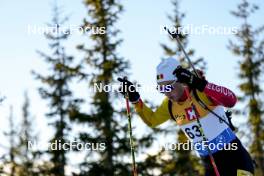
{"x": 185, "y": 76}
{"x": 127, "y": 86}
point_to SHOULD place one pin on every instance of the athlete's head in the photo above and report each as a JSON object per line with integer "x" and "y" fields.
{"x": 167, "y": 82}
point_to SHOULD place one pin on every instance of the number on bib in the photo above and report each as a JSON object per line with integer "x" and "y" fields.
{"x": 193, "y": 131}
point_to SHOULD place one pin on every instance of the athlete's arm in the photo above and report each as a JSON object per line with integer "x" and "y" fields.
{"x": 220, "y": 95}
{"x": 153, "y": 118}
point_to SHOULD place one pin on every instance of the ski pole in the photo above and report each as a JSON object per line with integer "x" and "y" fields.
{"x": 130, "y": 134}
{"x": 175, "y": 36}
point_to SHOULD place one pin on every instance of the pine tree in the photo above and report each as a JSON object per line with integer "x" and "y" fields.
{"x": 27, "y": 158}
{"x": 181, "y": 162}
{"x": 56, "y": 89}
{"x": 19, "y": 160}
{"x": 10, "y": 158}
{"x": 108, "y": 122}
{"x": 249, "y": 46}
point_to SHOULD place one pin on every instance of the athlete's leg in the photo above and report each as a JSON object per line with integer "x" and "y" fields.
{"x": 231, "y": 162}
{"x": 243, "y": 173}
{"x": 244, "y": 163}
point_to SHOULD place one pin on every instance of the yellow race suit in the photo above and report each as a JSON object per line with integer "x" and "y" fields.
{"x": 185, "y": 114}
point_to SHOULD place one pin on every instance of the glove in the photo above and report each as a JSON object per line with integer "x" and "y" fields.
{"x": 133, "y": 95}
{"x": 185, "y": 76}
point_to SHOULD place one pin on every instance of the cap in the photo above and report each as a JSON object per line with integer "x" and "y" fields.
{"x": 166, "y": 68}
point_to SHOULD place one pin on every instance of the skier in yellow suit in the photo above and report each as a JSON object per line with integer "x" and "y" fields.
{"x": 183, "y": 90}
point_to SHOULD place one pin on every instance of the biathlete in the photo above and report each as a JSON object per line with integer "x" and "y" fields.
{"x": 183, "y": 92}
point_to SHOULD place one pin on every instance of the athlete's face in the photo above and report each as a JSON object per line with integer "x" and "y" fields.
{"x": 176, "y": 92}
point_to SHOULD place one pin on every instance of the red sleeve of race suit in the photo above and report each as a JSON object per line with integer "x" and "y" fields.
{"x": 220, "y": 95}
